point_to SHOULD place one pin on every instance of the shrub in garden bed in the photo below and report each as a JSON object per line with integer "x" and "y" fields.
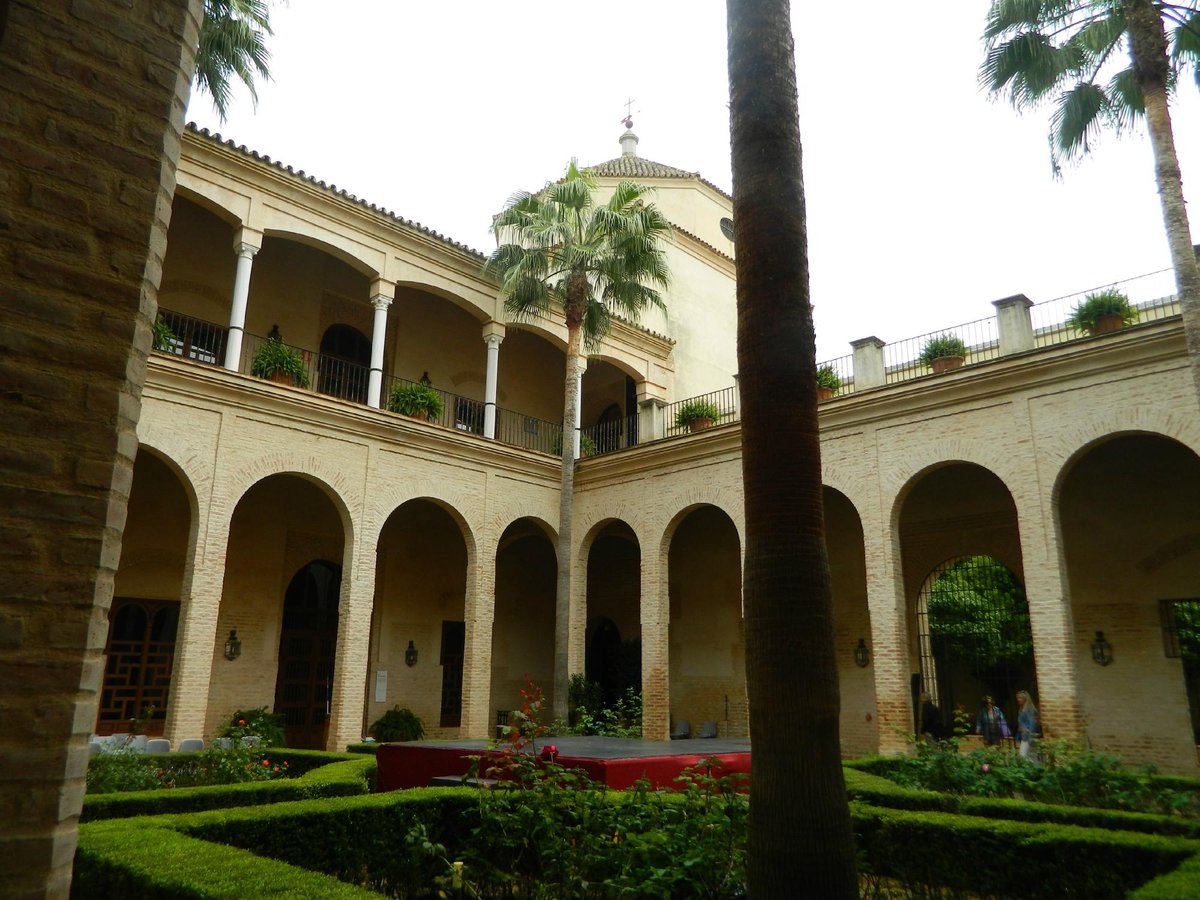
{"x": 352, "y": 775}
{"x": 567, "y": 842}
{"x": 1065, "y": 776}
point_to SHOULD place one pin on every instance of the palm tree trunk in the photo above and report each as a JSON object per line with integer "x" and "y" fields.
{"x": 562, "y": 599}
{"x": 800, "y": 842}
{"x": 1148, "y": 49}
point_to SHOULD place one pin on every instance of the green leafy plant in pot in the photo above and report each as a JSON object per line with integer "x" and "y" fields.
{"x": 587, "y": 446}
{"x": 420, "y": 401}
{"x": 164, "y": 336}
{"x": 398, "y": 724}
{"x": 943, "y": 352}
{"x": 697, "y": 414}
{"x": 280, "y": 363}
{"x": 828, "y": 383}
{"x": 1102, "y": 311}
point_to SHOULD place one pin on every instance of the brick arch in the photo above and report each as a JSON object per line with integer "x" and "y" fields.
{"x": 899, "y": 484}
{"x": 590, "y": 529}
{"x": 1068, "y": 445}
{"x": 500, "y": 525}
{"x": 726, "y": 498}
{"x": 335, "y": 483}
{"x": 188, "y": 466}
{"x": 387, "y": 498}
{"x": 464, "y": 527}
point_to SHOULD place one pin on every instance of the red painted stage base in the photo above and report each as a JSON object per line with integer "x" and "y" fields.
{"x": 415, "y": 765}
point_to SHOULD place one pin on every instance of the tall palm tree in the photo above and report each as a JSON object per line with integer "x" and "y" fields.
{"x": 799, "y": 830}
{"x": 232, "y": 43}
{"x": 1106, "y": 62}
{"x": 566, "y": 253}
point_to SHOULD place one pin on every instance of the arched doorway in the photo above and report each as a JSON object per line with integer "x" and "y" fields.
{"x": 523, "y": 625}
{"x": 1127, "y": 509}
{"x": 707, "y": 638}
{"x": 961, "y": 549}
{"x": 420, "y": 600}
{"x": 307, "y": 644}
{"x": 144, "y": 617}
{"x": 345, "y": 363}
{"x": 858, "y": 726}
{"x": 281, "y": 526}
{"x": 974, "y": 637}
{"x": 612, "y": 640}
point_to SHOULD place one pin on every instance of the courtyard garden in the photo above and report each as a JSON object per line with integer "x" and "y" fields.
{"x": 939, "y": 822}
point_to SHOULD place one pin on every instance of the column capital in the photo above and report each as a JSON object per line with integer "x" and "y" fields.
{"x": 381, "y": 287}
{"x": 247, "y": 242}
{"x": 492, "y": 330}
{"x": 381, "y": 302}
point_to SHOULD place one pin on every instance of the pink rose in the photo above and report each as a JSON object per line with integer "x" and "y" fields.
{"x": 986, "y": 768}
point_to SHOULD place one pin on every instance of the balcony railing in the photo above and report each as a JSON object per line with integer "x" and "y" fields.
{"x": 724, "y": 402}
{"x": 1152, "y": 295}
{"x": 194, "y": 339}
{"x": 605, "y": 437}
{"x": 902, "y": 360}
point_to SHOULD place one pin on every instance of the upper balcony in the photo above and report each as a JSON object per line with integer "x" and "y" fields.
{"x": 616, "y": 415}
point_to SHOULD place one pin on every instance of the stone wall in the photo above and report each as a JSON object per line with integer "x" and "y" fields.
{"x": 92, "y": 94}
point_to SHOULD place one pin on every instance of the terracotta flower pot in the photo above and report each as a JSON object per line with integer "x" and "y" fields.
{"x": 946, "y": 363}
{"x": 824, "y": 393}
{"x": 699, "y": 424}
{"x": 1107, "y": 322}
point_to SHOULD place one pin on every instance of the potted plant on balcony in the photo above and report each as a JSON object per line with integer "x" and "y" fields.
{"x": 695, "y": 415}
{"x": 278, "y": 362}
{"x": 164, "y": 336}
{"x": 587, "y": 446}
{"x": 417, "y": 400}
{"x": 943, "y": 352}
{"x": 828, "y": 383}
{"x": 1102, "y": 311}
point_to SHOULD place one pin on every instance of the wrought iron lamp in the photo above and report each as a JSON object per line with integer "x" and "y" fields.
{"x": 410, "y": 655}
{"x": 233, "y": 646}
{"x": 862, "y": 656}
{"x": 1102, "y": 650}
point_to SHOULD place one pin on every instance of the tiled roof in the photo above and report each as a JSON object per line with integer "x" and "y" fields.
{"x": 333, "y": 188}
{"x": 640, "y": 167}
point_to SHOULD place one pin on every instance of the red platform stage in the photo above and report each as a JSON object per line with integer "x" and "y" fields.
{"x": 615, "y": 762}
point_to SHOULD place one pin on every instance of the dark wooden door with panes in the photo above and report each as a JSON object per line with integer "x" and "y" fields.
{"x": 307, "y": 644}
{"x": 138, "y": 659}
{"x": 454, "y": 636}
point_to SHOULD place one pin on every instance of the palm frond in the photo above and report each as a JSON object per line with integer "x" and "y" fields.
{"x": 1078, "y": 117}
{"x": 232, "y": 44}
{"x": 1127, "y": 104}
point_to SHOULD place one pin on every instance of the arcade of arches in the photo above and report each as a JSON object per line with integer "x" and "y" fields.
{"x": 480, "y": 616}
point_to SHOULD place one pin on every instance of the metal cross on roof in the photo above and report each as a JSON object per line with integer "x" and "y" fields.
{"x": 628, "y": 120}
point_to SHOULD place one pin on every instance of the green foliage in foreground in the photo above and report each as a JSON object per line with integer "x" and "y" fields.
{"x": 347, "y": 776}
{"x": 557, "y": 837}
{"x": 1064, "y": 775}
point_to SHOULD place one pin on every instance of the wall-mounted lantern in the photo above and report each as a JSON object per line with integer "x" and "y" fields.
{"x": 1102, "y": 650}
{"x": 233, "y": 646}
{"x": 862, "y": 656}
{"x": 410, "y": 655}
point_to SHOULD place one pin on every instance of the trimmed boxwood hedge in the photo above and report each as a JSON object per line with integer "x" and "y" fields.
{"x": 879, "y": 791}
{"x": 362, "y": 840}
{"x": 998, "y": 858}
{"x": 120, "y": 863}
{"x": 349, "y": 775}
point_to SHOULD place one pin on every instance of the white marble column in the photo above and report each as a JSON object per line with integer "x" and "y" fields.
{"x": 245, "y": 250}
{"x": 381, "y": 301}
{"x": 493, "y": 335}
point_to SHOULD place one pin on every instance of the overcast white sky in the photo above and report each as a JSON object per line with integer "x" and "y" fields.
{"x": 926, "y": 201}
